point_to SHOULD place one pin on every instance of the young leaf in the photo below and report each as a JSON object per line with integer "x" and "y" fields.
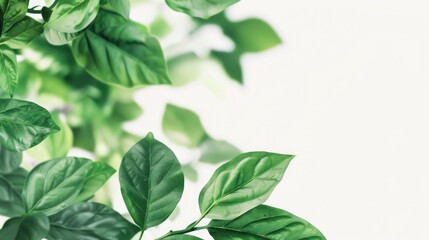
{"x": 151, "y": 182}
{"x": 252, "y": 35}
{"x": 89, "y": 221}
{"x": 54, "y": 185}
{"x": 72, "y": 16}
{"x": 11, "y": 203}
{"x": 183, "y": 126}
{"x": 9, "y": 161}
{"x": 200, "y": 8}
{"x": 215, "y": 151}
{"x": 118, "y": 51}
{"x": 231, "y": 63}
{"x": 264, "y": 222}
{"x": 98, "y": 174}
{"x": 182, "y": 237}
{"x": 21, "y": 33}
{"x": 190, "y": 172}
{"x": 12, "y": 11}
{"x": 242, "y": 184}
{"x": 120, "y": 6}
{"x": 30, "y": 227}
{"x": 8, "y": 72}
{"x": 24, "y": 124}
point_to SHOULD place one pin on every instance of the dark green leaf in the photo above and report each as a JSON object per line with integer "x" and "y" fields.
{"x": 8, "y": 73}
{"x": 31, "y": 227}
{"x": 242, "y": 184}
{"x": 118, "y": 51}
{"x": 265, "y": 223}
{"x": 215, "y": 151}
{"x": 252, "y": 35}
{"x": 126, "y": 111}
{"x": 16, "y": 179}
{"x": 151, "y": 182}
{"x": 21, "y": 33}
{"x": 182, "y": 126}
{"x": 54, "y": 185}
{"x": 90, "y": 221}
{"x": 24, "y": 124}
{"x": 200, "y": 8}
{"x": 231, "y": 63}
{"x": 12, "y": 11}
{"x": 9, "y": 161}
{"x": 120, "y": 6}
{"x": 97, "y": 176}
{"x": 182, "y": 237}
{"x": 11, "y": 203}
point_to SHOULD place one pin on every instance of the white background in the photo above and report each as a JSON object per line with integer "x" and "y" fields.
{"x": 347, "y": 93}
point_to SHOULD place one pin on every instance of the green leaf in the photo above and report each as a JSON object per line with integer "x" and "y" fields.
{"x": 183, "y": 126}
{"x": 252, "y": 35}
{"x": 118, "y": 51}
{"x": 16, "y": 179}
{"x": 8, "y": 73}
{"x": 21, "y": 33}
{"x": 97, "y": 176}
{"x": 9, "y": 161}
{"x": 264, "y": 222}
{"x": 24, "y": 124}
{"x": 70, "y": 16}
{"x": 90, "y": 221}
{"x": 151, "y": 182}
{"x": 55, "y": 145}
{"x": 30, "y": 227}
{"x": 190, "y": 172}
{"x": 182, "y": 237}
{"x": 215, "y": 151}
{"x": 242, "y": 184}
{"x": 54, "y": 185}
{"x": 200, "y": 8}
{"x": 126, "y": 111}
{"x": 120, "y": 6}
{"x": 12, "y": 12}
{"x": 11, "y": 204}
{"x": 59, "y": 38}
{"x": 231, "y": 63}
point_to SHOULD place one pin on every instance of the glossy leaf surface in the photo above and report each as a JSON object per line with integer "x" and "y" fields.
{"x": 242, "y": 184}
{"x": 24, "y": 124}
{"x": 21, "y": 33}
{"x": 265, "y": 223}
{"x": 120, "y": 6}
{"x": 31, "y": 227}
{"x": 90, "y": 221}
{"x": 8, "y": 71}
{"x": 54, "y": 185}
{"x": 118, "y": 51}
{"x": 151, "y": 182}
{"x": 16, "y": 179}
{"x": 182, "y": 126}
{"x": 200, "y": 8}
{"x": 59, "y": 38}
{"x": 9, "y": 161}
{"x": 12, "y": 11}
{"x": 11, "y": 204}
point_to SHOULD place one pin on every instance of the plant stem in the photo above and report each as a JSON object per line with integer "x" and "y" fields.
{"x": 186, "y": 230}
{"x": 141, "y": 235}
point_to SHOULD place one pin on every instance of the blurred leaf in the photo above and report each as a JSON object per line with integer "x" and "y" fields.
{"x": 120, "y": 52}
{"x": 24, "y": 124}
{"x": 182, "y": 237}
{"x": 190, "y": 172}
{"x": 215, "y": 151}
{"x": 55, "y": 145}
{"x": 184, "y": 68}
{"x": 90, "y": 221}
{"x": 242, "y": 184}
{"x": 84, "y": 138}
{"x": 9, "y": 161}
{"x": 264, "y": 222}
{"x": 182, "y": 126}
{"x": 151, "y": 181}
{"x": 126, "y": 111}
{"x": 29, "y": 227}
{"x": 231, "y": 63}
{"x": 120, "y": 6}
{"x": 252, "y": 35}
{"x": 8, "y": 73}
{"x": 200, "y": 8}
{"x": 160, "y": 27}
{"x": 11, "y": 204}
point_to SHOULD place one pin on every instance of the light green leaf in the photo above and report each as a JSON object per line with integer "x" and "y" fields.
{"x": 90, "y": 221}
{"x": 190, "y": 172}
{"x": 97, "y": 176}
{"x": 183, "y": 126}
{"x": 118, "y": 51}
{"x": 55, "y": 145}
{"x": 59, "y": 38}
{"x": 24, "y": 124}
{"x": 12, "y": 11}
{"x": 231, "y": 63}
{"x": 21, "y": 33}
{"x": 200, "y": 8}
{"x": 30, "y": 227}
{"x": 9, "y": 161}
{"x": 151, "y": 182}
{"x": 215, "y": 151}
{"x": 252, "y": 35}
{"x": 242, "y": 184}
{"x": 8, "y": 72}
{"x": 182, "y": 237}
{"x": 11, "y": 204}
{"x": 70, "y": 16}
{"x": 126, "y": 111}
{"x": 264, "y": 222}
{"x": 120, "y": 6}
{"x": 54, "y": 185}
